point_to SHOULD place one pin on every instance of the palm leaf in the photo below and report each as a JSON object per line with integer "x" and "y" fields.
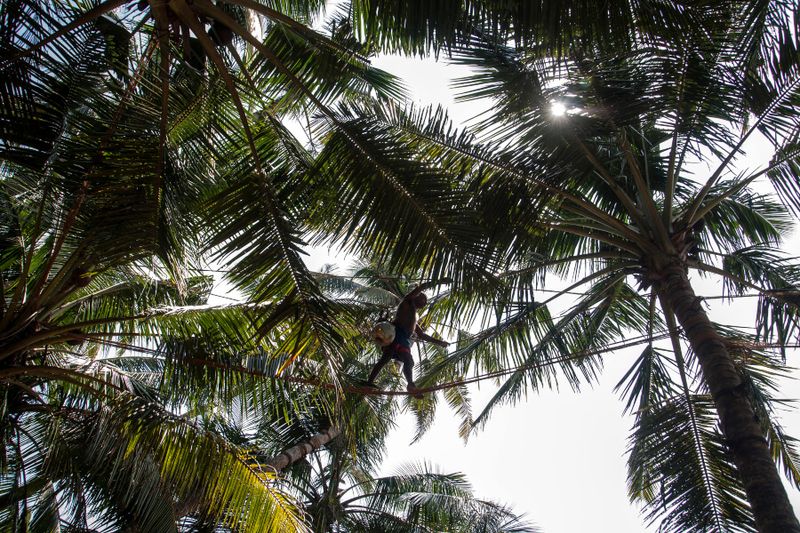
{"x": 685, "y": 492}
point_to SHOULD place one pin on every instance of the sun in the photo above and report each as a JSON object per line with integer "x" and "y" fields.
{"x": 557, "y": 109}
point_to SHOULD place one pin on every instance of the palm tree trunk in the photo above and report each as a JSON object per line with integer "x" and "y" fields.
{"x": 295, "y": 453}
{"x": 740, "y": 427}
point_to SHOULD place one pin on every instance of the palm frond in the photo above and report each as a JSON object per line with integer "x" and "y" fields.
{"x": 423, "y": 219}
{"x": 761, "y": 371}
{"x": 191, "y": 463}
{"x": 648, "y": 382}
{"x": 777, "y": 278}
{"x": 678, "y": 487}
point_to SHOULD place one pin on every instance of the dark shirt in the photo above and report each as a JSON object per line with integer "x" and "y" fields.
{"x": 401, "y": 336}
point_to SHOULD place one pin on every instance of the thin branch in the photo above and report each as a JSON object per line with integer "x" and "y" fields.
{"x": 702, "y": 212}
{"x": 700, "y": 197}
{"x": 645, "y": 193}
{"x": 594, "y": 235}
{"x": 609, "y": 180}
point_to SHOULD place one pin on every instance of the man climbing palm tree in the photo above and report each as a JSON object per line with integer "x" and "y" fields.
{"x": 405, "y": 324}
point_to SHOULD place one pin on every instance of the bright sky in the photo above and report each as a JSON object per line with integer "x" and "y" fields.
{"x": 559, "y": 457}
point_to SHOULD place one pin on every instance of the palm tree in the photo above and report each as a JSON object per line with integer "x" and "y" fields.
{"x": 613, "y": 193}
{"x": 336, "y": 481}
{"x": 113, "y": 119}
{"x": 292, "y": 72}
{"x": 99, "y": 224}
{"x": 417, "y": 498}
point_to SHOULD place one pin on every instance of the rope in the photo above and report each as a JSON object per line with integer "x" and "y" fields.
{"x": 371, "y": 391}
{"x": 226, "y": 297}
{"x": 531, "y": 366}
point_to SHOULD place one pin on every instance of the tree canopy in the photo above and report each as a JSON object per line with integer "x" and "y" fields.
{"x": 144, "y": 143}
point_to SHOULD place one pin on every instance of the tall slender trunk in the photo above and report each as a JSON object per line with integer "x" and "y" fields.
{"x": 743, "y": 435}
{"x": 295, "y": 453}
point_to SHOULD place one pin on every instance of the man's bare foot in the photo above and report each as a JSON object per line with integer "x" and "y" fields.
{"x": 413, "y": 389}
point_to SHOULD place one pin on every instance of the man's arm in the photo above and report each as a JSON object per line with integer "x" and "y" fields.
{"x": 427, "y": 285}
{"x": 421, "y": 335}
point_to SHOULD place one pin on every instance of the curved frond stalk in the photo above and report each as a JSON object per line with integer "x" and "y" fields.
{"x": 435, "y": 129}
{"x": 405, "y": 210}
{"x": 302, "y": 29}
{"x": 287, "y": 243}
{"x": 776, "y": 166}
{"x": 695, "y": 429}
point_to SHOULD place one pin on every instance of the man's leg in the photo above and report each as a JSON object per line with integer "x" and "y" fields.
{"x": 408, "y": 366}
{"x": 385, "y": 358}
